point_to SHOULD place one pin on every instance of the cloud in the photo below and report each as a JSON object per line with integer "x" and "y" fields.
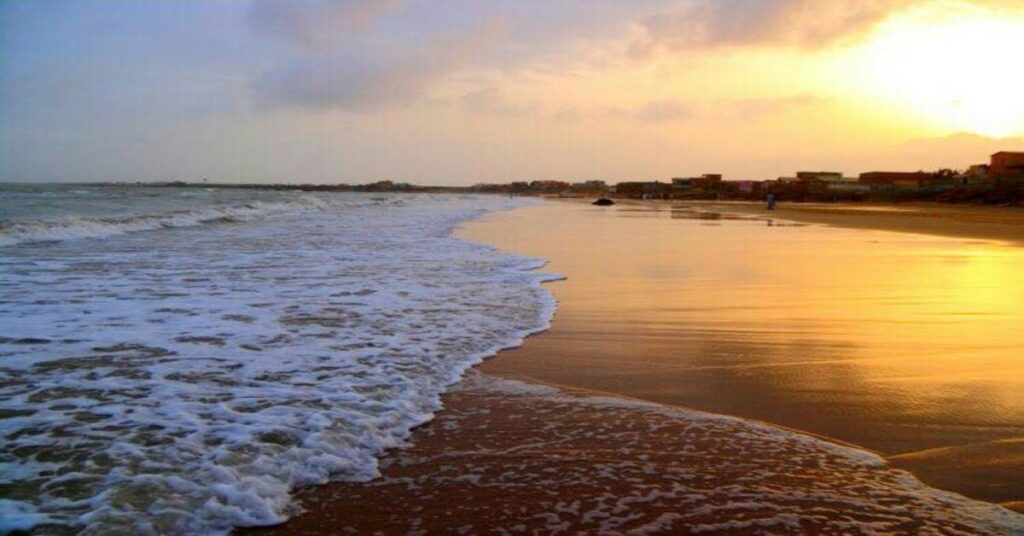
{"x": 959, "y": 150}
{"x": 662, "y": 111}
{"x": 315, "y": 23}
{"x": 491, "y": 100}
{"x": 359, "y": 76}
{"x": 803, "y": 23}
{"x": 755, "y": 107}
{"x": 675, "y": 110}
{"x": 956, "y": 151}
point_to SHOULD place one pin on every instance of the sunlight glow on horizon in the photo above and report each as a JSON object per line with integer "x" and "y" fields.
{"x": 954, "y": 71}
{"x": 459, "y": 93}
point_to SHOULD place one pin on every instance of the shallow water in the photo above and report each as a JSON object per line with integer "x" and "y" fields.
{"x": 509, "y": 457}
{"x": 895, "y": 342}
{"x": 174, "y": 365}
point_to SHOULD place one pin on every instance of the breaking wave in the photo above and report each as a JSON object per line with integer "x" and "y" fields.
{"x": 67, "y": 228}
{"x": 186, "y": 382}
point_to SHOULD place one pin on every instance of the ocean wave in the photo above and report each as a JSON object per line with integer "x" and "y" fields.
{"x": 69, "y": 228}
{"x": 185, "y": 383}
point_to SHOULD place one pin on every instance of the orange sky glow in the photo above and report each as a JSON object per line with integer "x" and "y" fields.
{"x": 467, "y": 92}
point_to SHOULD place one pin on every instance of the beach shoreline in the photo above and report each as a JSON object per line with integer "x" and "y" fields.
{"x": 1004, "y": 224}
{"x": 508, "y": 457}
{"x": 414, "y": 485}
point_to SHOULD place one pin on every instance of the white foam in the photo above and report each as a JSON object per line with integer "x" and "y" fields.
{"x": 15, "y": 516}
{"x": 658, "y": 469}
{"x": 72, "y": 227}
{"x": 755, "y": 430}
{"x": 185, "y": 380}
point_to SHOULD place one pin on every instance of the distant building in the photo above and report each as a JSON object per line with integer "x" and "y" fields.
{"x": 746, "y": 187}
{"x": 901, "y": 179}
{"x": 977, "y": 173}
{"x": 548, "y": 186}
{"x": 589, "y": 187}
{"x": 1007, "y": 165}
{"x": 682, "y": 183}
{"x": 643, "y": 190}
{"x": 708, "y": 182}
{"x": 787, "y": 188}
{"x": 820, "y": 176}
{"x": 848, "y": 187}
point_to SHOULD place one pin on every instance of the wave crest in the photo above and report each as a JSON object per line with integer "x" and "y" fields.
{"x": 69, "y": 228}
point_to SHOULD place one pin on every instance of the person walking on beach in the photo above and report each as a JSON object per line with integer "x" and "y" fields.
{"x": 770, "y": 200}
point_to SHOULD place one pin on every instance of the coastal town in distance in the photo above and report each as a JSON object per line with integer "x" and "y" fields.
{"x": 512, "y": 268}
{"x": 999, "y": 182}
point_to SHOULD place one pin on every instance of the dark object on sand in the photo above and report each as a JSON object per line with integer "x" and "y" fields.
{"x": 603, "y": 202}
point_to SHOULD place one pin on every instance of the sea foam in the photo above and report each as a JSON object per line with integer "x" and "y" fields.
{"x": 186, "y": 379}
{"x": 71, "y": 227}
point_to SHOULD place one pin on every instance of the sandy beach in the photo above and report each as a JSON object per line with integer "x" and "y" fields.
{"x": 963, "y": 221}
{"x": 847, "y": 352}
{"x": 513, "y": 458}
{"x": 348, "y": 267}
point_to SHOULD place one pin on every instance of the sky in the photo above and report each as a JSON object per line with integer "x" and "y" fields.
{"x": 456, "y": 92}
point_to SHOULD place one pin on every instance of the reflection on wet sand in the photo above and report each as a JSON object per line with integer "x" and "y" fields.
{"x": 711, "y": 217}
{"x": 900, "y": 343}
{"x": 512, "y": 458}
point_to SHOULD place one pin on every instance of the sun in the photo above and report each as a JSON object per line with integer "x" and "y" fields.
{"x": 961, "y": 70}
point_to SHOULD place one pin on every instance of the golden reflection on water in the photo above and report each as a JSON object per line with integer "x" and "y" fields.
{"x": 897, "y": 342}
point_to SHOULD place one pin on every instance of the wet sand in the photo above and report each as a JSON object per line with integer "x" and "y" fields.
{"x": 905, "y": 345}
{"x": 961, "y": 221}
{"x": 899, "y": 343}
{"x": 509, "y": 458}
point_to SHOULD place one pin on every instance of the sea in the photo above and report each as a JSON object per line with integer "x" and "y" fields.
{"x": 179, "y": 360}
